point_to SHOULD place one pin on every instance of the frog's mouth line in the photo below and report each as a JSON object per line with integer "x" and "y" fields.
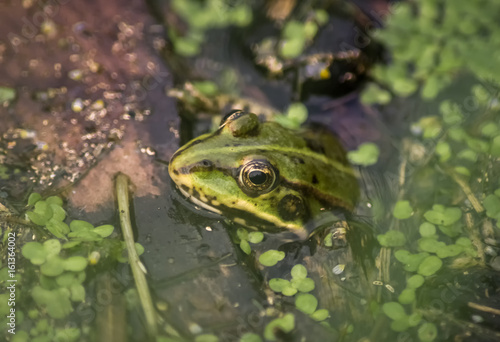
{"x": 242, "y": 217}
{"x": 199, "y": 202}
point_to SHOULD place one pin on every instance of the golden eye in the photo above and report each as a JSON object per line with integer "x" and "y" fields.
{"x": 257, "y": 177}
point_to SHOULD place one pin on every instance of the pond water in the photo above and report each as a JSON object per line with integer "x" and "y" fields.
{"x": 384, "y": 95}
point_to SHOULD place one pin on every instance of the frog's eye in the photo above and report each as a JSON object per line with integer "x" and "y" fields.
{"x": 232, "y": 115}
{"x": 257, "y": 177}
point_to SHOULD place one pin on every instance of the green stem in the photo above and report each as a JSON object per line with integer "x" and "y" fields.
{"x": 136, "y": 265}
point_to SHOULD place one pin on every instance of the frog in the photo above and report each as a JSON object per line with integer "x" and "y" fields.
{"x": 265, "y": 176}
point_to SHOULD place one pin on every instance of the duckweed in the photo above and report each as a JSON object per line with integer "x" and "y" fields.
{"x": 392, "y": 238}
{"x": 299, "y": 282}
{"x": 367, "y": 154}
{"x": 294, "y": 117}
{"x": 245, "y": 237}
{"x": 306, "y": 303}
{"x": 206, "y": 338}
{"x": 285, "y": 324}
{"x": 402, "y": 210}
{"x": 271, "y": 257}
{"x": 441, "y": 215}
{"x": 429, "y": 265}
{"x": 250, "y": 337}
{"x": 7, "y": 94}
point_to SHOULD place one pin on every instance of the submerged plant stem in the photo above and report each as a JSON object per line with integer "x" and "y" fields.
{"x": 141, "y": 284}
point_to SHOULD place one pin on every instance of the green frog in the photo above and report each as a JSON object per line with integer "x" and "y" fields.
{"x": 265, "y": 176}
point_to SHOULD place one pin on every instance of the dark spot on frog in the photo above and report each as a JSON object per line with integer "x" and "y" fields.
{"x": 298, "y": 160}
{"x": 314, "y": 179}
{"x": 185, "y": 188}
{"x": 291, "y": 207}
{"x": 175, "y": 172}
{"x": 206, "y": 163}
{"x": 315, "y": 146}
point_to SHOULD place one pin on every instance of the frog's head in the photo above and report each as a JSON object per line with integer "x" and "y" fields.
{"x": 255, "y": 174}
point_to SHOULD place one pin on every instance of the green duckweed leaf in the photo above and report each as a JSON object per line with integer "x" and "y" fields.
{"x": 70, "y": 278}
{"x": 139, "y": 248}
{"x": 320, "y": 315}
{"x": 54, "y": 266}
{"x": 444, "y": 217}
{"x": 278, "y": 284}
{"x": 58, "y": 228}
{"x": 492, "y": 205}
{"x": 452, "y": 230}
{"x": 34, "y": 197}
{"x": 427, "y": 332}
{"x": 407, "y": 296}
{"x": 490, "y": 129}
{"x": 310, "y": 29}
{"x": 321, "y": 16}
{"x": 415, "y": 281}
{"x": 242, "y": 234}
{"x": 450, "y": 251}
{"x": 104, "y": 230}
{"x": 245, "y": 247}
{"x": 299, "y": 272}
{"x": 79, "y": 225}
{"x": 43, "y": 209}
{"x": 478, "y": 145}
{"x": 443, "y": 150}
{"x": 464, "y": 242}
{"x": 289, "y": 291}
{"x": 306, "y": 303}
{"x": 293, "y": 29}
{"x": 430, "y": 265}
{"x": 415, "y": 319}
{"x": 393, "y": 310}
{"x": 373, "y": 94}
{"x": 59, "y": 214}
{"x": 36, "y": 218}
{"x": 293, "y": 47}
{"x": 7, "y": 94}
{"x": 77, "y": 293}
{"x": 207, "y": 88}
{"x": 75, "y": 263}
{"x": 410, "y": 261}
{"x": 52, "y": 247}
{"x": 54, "y": 200}
{"x": 430, "y": 245}
{"x": 67, "y": 335}
{"x": 367, "y": 154}
{"x": 71, "y": 244}
{"x": 462, "y": 170}
{"x": 255, "y": 237}
{"x": 404, "y": 86}
{"x": 392, "y": 238}
{"x": 400, "y": 324}
{"x": 303, "y": 285}
{"x": 427, "y": 229}
{"x": 297, "y": 112}
{"x": 250, "y": 337}
{"x": 402, "y": 210}
{"x": 206, "y": 338}
{"x": 271, "y": 257}
{"x": 495, "y": 147}
{"x": 285, "y": 324}
{"x": 56, "y": 302}
{"x": 35, "y": 252}
{"x": 84, "y": 235}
